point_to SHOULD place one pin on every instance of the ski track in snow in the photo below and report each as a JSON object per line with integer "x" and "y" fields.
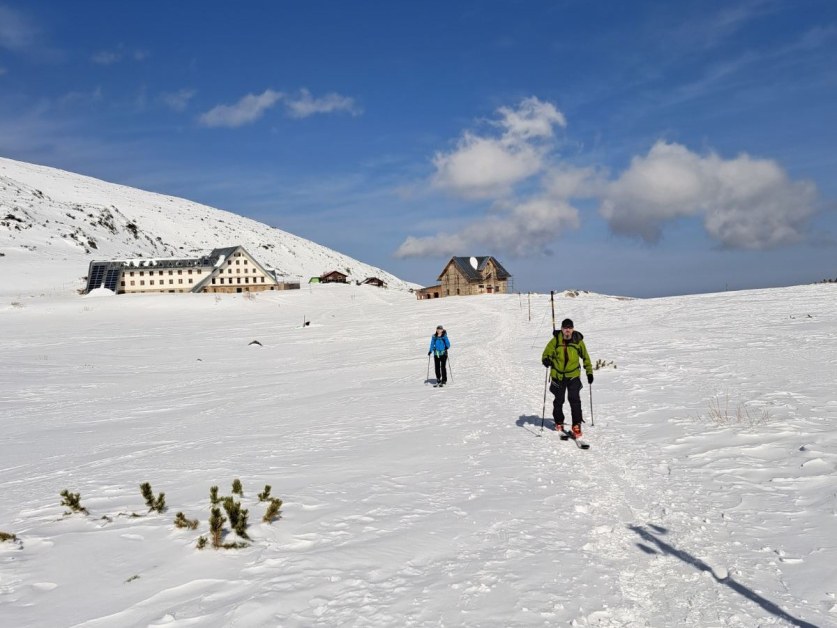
{"x": 407, "y": 505}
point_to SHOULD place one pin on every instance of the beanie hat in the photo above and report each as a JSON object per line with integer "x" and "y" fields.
{"x": 566, "y": 323}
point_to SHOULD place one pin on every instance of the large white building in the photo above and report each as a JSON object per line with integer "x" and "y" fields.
{"x": 230, "y": 269}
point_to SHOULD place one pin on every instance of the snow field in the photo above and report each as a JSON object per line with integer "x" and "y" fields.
{"x": 407, "y": 505}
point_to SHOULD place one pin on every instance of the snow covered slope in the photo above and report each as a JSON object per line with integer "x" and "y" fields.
{"x": 707, "y": 499}
{"x": 53, "y": 223}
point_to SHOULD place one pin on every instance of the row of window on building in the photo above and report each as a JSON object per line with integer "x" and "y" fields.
{"x": 162, "y": 282}
{"x": 180, "y": 272}
{"x": 160, "y": 272}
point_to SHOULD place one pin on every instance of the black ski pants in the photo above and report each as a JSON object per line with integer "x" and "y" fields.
{"x": 572, "y": 389}
{"x": 440, "y": 362}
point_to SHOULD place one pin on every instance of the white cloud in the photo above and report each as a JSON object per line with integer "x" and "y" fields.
{"x": 249, "y": 109}
{"x": 17, "y": 33}
{"x": 744, "y": 202}
{"x": 106, "y": 57}
{"x": 179, "y": 100}
{"x": 305, "y": 105}
{"x": 252, "y": 107}
{"x": 524, "y": 228}
{"x": 516, "y": 227}
{"x": 80, "y": 99}
{"x": 490, "y": 167}
{"x": 440, "y": 245}
{"x": 111, "y": 57}
{"x": 533, "y": 118}
{"x": 485, "y": 167}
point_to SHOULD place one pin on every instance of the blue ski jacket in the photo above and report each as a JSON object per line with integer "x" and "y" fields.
{"x": 439, "y": 344}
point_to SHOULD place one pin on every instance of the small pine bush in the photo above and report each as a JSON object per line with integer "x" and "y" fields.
{"x": 201, "y": 542}
{"x": 5, "y": 536}
{"x": 272, "y": 511}
{"x": 72, "y": 501}
{"x": 213, "y": 495}
{"x": 180, "y": 521}
{"x": 237, "y": 489}
{"x": 264, "y": 496}
{"x": 237, "y": 515}
{"x": 216, "y": 527}
{"x": 154, "y": 503}
{"x": 241, "y": 524}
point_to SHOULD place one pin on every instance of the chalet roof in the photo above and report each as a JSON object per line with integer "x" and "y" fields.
{"x": 217, "y": 257}
{"x": 463, "y": 264}
{"x": 226, "y": 252}
{"x": 159, "y": 262}
{"x": 333, "y": 272}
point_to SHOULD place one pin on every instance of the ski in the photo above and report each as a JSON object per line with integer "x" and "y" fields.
{"x": 581, "y": 444}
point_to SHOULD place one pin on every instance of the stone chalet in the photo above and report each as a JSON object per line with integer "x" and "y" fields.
{"x": 468, "y": 275}
{"x": 230, "y": 269}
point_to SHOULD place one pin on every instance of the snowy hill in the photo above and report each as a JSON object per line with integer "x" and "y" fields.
{"x": 53, "y": 223}
{"x": 707, "y": 498}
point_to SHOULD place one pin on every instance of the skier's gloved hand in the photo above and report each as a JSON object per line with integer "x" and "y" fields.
{"x": 429, "y": 352}
{"x": 589, "y": 378}
{"x": 546, "y": 362}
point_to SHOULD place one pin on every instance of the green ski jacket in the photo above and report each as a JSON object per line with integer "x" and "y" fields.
{"x": 567, "y": 364}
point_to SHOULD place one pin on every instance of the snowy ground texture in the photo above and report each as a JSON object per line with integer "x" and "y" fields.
{"x": 406, "y": 505}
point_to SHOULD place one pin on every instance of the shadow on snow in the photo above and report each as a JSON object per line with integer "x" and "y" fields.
{"x": 525, "y": 420}
{"x": 739, "y": 588}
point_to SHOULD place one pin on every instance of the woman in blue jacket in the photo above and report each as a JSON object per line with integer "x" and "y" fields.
{"x": 439, "y": 345}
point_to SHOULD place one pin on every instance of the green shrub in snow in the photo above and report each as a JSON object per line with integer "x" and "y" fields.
{"x": 72, "y": 501}
{"x": 154, "y": 503}
{"x": 180, "y": 521}
{"x": 264, "y": 496}
{"x": 272, "y": 511}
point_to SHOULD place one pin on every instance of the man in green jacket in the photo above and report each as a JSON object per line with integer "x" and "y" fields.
{"x": 563, "y": 355}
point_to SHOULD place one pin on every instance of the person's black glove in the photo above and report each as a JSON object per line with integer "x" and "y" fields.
{"x": 589, "y": 378}
{"x": 429, "y": 352}
{"x": 546, "y": 362}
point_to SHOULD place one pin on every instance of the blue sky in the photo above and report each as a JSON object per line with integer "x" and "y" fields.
{"x": 637, "y": 148}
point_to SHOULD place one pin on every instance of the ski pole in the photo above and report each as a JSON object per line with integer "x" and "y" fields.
{"x": 450, "y": 366}
{"x": 552, "y": 304}
{"x": 427, "y": 379}
{"x": 543, "y": 413}
{"x": 592, "y": 422}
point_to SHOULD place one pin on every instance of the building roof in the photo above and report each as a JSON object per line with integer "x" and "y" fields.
{"x": 216, "y": 259}
{"x": 475, "y": 274}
